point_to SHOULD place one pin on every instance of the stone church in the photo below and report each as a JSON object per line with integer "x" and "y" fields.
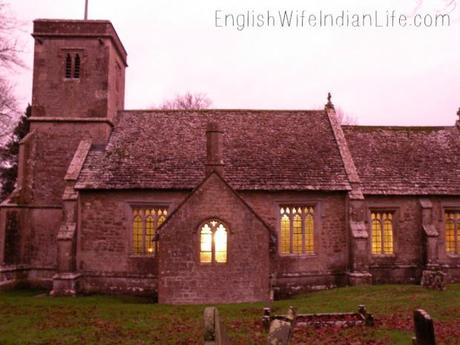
{"x": 214, "y": 205}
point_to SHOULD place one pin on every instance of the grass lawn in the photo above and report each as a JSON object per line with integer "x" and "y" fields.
{"x": 31, "y": 317}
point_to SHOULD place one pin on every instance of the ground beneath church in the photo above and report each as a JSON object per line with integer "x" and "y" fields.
{"x": 32, "y": 317}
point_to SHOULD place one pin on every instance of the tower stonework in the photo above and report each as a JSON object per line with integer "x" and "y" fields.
{"x": 79, "y": 69}
{"x": 78, "y": 90}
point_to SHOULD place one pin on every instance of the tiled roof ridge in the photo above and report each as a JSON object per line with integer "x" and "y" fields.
{"x": 392, "y": 127}
{"x": 224, "y": 110}
{"x": 342, "y": 145}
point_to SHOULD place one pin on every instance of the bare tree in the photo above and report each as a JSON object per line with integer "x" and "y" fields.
{"x": 9, "y": 155}
{"x": 9, "y": 47}
{"x": 345, "y": 119}
{"x": 8, "y": 107}
{"x": 9, "y": 114}
{"x": 9, "y": 59}
{"x": 187, "y": 101}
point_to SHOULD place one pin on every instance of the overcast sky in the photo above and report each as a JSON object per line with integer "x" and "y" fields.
{"x": 399, "y": 76}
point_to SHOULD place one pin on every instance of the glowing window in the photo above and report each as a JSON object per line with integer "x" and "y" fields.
{"x": 146, "y": 221}
{"x": 297, "y": 233}
{"x": 213, "y": 242}
{"x": 382, "y": 233}
{"x": 452, "y": 230}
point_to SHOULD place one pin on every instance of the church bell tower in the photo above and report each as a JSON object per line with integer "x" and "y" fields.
{"x": 79, "y": 69}
{"x": 78, "y": 90}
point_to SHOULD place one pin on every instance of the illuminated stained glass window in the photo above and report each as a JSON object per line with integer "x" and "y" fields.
{"x": 213, "y": 242}
{"x": 382, "y": 233}
{"x": 285, "y": 233}
{"x": 297, "y": 230}
{"x": 206, "y": 244}
{"x": 452, "y": 230}
{"x": 137, "y": 232}
{"x": 145, "y": 222}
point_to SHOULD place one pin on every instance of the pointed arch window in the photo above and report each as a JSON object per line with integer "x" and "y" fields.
{"x": 213, "y": 242}
{"x": 297, "y": 230}
{"x": 145, "y": 222}
{"x": 382, "y": 233}
{"x": 452, "y": 232}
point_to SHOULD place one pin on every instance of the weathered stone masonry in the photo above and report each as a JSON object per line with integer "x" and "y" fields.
{"x": 87, "y": 165}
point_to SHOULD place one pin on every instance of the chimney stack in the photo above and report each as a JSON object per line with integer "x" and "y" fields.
{"x": 214, "y": 148}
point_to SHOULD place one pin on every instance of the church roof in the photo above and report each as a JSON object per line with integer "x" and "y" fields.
{"x": 406, "y": 160}
{"x": 263, "y": 150}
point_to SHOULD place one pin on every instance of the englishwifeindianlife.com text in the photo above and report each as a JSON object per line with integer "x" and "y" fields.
{"x": 297, "y": 19}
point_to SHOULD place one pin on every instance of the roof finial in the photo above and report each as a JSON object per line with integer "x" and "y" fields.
{"x": 86, "y": 9}
{"x": 329, "y": 103}
{"x": 458, "y": 121}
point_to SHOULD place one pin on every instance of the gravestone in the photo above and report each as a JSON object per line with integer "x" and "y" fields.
{"x": 434, "y": 279}
{"x": 214, "y": 331}
{"x": 424, "y": 330}
{"x": 280, "y": 331}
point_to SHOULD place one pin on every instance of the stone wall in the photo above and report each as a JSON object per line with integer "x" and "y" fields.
{"x": 12, "y": 237}
{"x": 409, "y": 258}
{"x": 105, "y": 229}
{"x": 44, "y": 224}
{"x": 104, "y": 241}
{"x": 448, "y": 262}
{"x": 54, "y": 145}
{"x": 327, "y": 268}
{"x": 106, "y": 263}
{"x": 245, "y": 275}
{"x": 406, "y": 264}
{"x": 28, "y": 242}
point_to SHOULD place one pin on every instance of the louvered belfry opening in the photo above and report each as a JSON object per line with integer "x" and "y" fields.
{"x": 76, "y": 69}
{"x": 72, "y": 66}
{"x": 68, "y": 66}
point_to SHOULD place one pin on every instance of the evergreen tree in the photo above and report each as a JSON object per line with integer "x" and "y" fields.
{"x": 9, "y": 155}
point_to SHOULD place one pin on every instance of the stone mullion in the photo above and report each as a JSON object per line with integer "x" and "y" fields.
{"x": 457, "y": 234}
{"x": 302, "y": 217}
{"x": 213, "y": 243}
{"x": 155, "y": 227}
{"x": 144, "y": 230}
{"x": 291, "y": 232}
